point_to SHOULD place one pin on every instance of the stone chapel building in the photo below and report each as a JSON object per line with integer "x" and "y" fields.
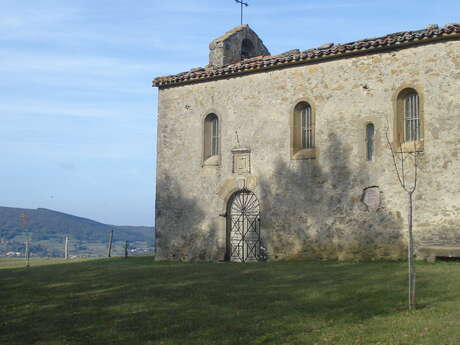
{"x": 286, "y": 155}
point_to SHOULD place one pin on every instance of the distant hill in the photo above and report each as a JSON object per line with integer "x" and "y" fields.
{"x": 48, "y": 228}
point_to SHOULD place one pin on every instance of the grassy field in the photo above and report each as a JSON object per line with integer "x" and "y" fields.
{"x": 19, "y": 262}
{"x": 139, "y": 301}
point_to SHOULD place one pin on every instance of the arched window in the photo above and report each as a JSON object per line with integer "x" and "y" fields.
{"x": 211, "y": 138}
{"x": 303, "y": 133}
{"x": 370, "y": 134}
{"x": 247, "y": 49}
{"x": 409, "y": 120}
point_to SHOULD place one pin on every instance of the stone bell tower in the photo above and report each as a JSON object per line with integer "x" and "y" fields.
{"x": 235, "y": 45}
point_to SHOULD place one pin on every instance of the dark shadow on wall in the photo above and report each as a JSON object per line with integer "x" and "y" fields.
{"x": 181, "y": 230}
{"x": 313, "y": 208}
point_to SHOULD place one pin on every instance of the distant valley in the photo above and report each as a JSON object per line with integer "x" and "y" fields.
{"x": 47, "y": 230}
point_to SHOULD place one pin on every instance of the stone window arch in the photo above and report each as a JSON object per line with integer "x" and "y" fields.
{"x": 409, "y": 118}
{"x": 211, "y": 140}
{"x": 303, "y": 131}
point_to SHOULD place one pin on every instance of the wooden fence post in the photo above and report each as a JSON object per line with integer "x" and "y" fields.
{"x": 109, "y": 251}
{"x": 27, "y": 253}
{"x": 66, "y": 248}
{"x": 24, "y": 223}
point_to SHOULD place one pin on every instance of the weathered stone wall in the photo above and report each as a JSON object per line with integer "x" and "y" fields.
{"x": 312, "y": 207}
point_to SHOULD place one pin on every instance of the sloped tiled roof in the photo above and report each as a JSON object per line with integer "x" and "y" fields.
{"x": 326, "y": 51}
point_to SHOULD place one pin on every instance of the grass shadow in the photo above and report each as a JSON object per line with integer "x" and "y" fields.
{"x": 138, "y": 301}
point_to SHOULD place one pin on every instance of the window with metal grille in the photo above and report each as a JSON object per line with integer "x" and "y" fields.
{"x": 409, "y": 121}
{"x": 304, "y": 128}
{"x": 211, "y": 138}
{"x": 370, "y": 132}
{"x": 411, "y": 117}
{"x": 307, "y": 127}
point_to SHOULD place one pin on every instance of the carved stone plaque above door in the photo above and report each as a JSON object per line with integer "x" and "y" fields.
{"x": 241, "y": 160}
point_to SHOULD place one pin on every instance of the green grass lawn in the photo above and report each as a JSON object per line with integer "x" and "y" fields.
{"x": 16, "y": 262}
{"x": 139, "y": 301}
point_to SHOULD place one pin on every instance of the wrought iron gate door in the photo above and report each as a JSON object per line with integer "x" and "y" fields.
{"x": 244, "y": 223}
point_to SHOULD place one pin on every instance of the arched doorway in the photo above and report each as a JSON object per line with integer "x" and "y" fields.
{"x": 243, "y": 227}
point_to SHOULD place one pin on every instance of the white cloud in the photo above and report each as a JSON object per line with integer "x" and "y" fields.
{"x": 56, "y": 109}
{"x": 27, "y": 18}
{"x": 195, "y": 7}
{"x": 85, "y": 73}
{"x": 49, "y": 62}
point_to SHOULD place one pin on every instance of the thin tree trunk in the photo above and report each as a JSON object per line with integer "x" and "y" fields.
{"x": 126, "y": 249}
{"x": 66, "y": 248}
{"x": 109, "y": 251}
{"x": 409, "y": 189}
{"x": 410, "y": 253}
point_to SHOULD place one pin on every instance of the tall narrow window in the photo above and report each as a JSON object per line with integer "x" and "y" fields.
{"x": 411, "y": 117}
{"x": 303, "y": 131}
{"x": 211, "y": 140}
{"x": 370, "y": 132}
{"x": 214, "y": 136}
{"x": 306, "y": 127}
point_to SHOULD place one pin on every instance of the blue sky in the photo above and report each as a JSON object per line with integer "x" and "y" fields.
{"x": 77, "y": 110}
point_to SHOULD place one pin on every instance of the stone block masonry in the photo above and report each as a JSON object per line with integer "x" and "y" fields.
{"x": 311, "y": 207}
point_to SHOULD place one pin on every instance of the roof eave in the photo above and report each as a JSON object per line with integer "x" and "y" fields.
{"x": 298, "y": 59}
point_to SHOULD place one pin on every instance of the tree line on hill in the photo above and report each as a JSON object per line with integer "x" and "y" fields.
{"x": 46, "y": 230}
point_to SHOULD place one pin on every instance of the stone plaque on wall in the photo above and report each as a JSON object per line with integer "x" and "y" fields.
{"x": 241, "y": 161}
{"x": 371, "y": 197}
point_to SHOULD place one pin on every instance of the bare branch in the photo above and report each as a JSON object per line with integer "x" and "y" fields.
{"x": 393, "y": 155}
{"x": 416, "y": 153}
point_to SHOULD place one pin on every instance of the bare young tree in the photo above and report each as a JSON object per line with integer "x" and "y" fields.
{"x": 405, "y": 162}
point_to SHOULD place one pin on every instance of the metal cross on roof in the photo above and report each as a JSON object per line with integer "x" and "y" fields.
{"x": 241, "y": 2}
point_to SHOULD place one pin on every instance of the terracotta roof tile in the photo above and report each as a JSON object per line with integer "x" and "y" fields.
{"x": 328, "y": 50}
